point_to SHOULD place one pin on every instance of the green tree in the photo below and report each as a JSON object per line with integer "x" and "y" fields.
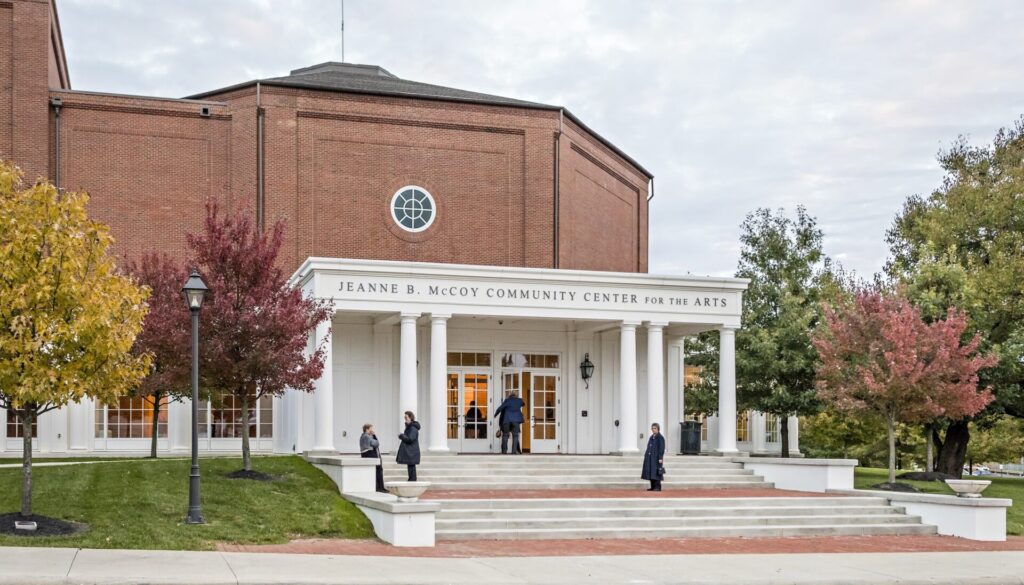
{"x": 68, "y": 319}
{"x": 775, "y": 360}
{"x": 963, "y": 246}
{"x": 997, "y": 439}
{"x": 701, "y": 397}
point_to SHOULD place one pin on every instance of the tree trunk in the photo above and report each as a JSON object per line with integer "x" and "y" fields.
{"x": 784, "y": 435}
{"x": 928, "y": 454}
{"x": 156, "y": 425}
{"x": 27, "y": 416}
{"x": 891, "y": 429}
{"x": 246, "y": 457}
{"x": 953, "y": 451}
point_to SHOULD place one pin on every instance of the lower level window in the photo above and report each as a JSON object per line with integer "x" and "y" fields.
{"x": 14, "y": 426}
{"x": 131, "y": 417}
{"x": 222, "y": 418}
{"x": 743, "y": 426}
{"x": 771, "y": 428}
{"x": 703, "y": 424}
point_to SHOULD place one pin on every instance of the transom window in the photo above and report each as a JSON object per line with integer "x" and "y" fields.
{"x": 413, "y": 208}
{"x": 529, "y": 360}
{"x": 463, "y": 358}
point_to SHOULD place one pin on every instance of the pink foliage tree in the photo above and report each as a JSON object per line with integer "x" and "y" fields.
{"x": 877, "y": 354}
{"x": 164, "y": 336}
{"x": 254, "y": 327}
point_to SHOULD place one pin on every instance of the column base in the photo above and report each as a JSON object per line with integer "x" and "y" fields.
{"x": 732, "y": 453}
{"x": 625, "y": 453}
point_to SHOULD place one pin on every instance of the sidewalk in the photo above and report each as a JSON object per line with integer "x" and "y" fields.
{"x": 86, "y": 566}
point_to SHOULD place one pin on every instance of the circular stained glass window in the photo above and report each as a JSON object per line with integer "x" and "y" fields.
{"x": 413, "y": 208}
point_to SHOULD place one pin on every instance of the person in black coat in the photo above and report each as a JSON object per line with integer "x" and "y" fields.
{"x": 409, "y": 449}
{"x": 510, "y": 416}
{"x": 654, "y": 459}
{"x": 369, "y": 448}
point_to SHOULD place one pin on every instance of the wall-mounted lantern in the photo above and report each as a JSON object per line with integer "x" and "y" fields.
{"x": 586, "y": 369}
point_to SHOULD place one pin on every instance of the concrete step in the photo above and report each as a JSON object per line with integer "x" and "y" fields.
{"x": 666, "y": 503}
{"x": 581, "y": 478}
{"x": 562, "y": 471}
{"x": 529, "y": 524}
{"x": 747, "y": 530}
{"x": 597, "y": 484}
{"x": 621, "y": 512}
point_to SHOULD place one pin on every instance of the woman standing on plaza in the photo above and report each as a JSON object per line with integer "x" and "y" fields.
{"x": 654, "y": 459}
{"x": 369, "y": 448}
{"x": 409, "y": 450}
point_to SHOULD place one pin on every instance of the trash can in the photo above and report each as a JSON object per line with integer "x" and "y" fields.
{"x": 689, "y": 443}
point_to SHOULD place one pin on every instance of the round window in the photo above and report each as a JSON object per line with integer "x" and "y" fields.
{"x": 413, "y": 208}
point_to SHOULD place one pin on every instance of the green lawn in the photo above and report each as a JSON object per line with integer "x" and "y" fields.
{"x": 141, "y": 504}
{"x": 1002, "y": 487}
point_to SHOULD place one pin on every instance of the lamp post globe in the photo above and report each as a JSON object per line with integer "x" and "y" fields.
{"x": 193, "y": 291}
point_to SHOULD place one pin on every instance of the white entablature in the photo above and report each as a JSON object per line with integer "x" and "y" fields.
{"x": 383, "y": 286}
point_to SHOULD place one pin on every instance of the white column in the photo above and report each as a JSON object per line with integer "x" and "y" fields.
{"x": 407, "y": 367}
{"x": 727, "y": 391}
{"x": 794, "y": 435}
{"x": 627, "y": 388}
{"x": 323, "y": 438}
{"x": 655, "y": 376}
{"x": 438, "y": 383}
{"x": 674, "y": 385}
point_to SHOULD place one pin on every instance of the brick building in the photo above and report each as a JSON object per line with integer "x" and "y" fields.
{"x": 380, "y": 178}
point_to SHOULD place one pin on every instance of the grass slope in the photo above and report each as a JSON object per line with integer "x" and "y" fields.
{"x": 142, "y": 504}
{"x": 1002, "y": 487}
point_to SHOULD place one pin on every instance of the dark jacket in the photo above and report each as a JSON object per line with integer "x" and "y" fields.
{"x": 409, "y": 449}
{"x": 655, "y": 453}
{"x": 511, "y": 411}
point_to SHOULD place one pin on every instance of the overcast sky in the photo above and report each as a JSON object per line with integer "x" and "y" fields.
{"x": 837, "y": 105}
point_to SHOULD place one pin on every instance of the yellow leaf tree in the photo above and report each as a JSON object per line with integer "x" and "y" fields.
{"x": 68, "y": 318}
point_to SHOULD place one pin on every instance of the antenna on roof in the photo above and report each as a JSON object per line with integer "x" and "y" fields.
{"x": 342, "y": 31}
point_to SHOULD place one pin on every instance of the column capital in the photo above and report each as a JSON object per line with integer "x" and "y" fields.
{"x": 440, "y": 316}
{"x": 406, "y": 315}
{"x": 656, "y": 324}
{"x": 728, "y": 329}
{"x": 629, "y": 324}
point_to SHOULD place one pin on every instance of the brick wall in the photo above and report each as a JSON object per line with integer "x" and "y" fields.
{"x": 332, "y": 162}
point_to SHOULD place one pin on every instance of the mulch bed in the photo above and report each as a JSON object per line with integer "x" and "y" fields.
{"x": 253, "y": 475}
{"x": 896, "y": 487}
{"x": 925, "y": 476}
{"x": 45, "y": 526}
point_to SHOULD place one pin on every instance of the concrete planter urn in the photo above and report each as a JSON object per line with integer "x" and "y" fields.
{"x": 407, "y": 491}
{"x": 968, "y": 488}
{"x": 26, "y": 525}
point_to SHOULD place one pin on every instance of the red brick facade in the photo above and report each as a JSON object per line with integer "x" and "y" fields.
{"x": 331, "y": 162}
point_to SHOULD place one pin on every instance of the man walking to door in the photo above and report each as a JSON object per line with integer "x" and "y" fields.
{"x": 510, "y": 417}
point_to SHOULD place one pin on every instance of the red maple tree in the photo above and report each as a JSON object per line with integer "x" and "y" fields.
{"x": 164, "y": 335}
{"x": 878, "y": 355}
{"x": 254, "y": 327}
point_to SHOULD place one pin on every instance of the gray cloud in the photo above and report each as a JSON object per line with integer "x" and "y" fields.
{"x": 840, "y": 106}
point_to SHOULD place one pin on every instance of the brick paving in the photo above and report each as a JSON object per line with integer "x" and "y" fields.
{"x": 619, "y": 493}
{"x": 674, "y": 546}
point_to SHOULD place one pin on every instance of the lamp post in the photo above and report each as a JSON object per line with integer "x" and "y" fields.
{"x": 193, "y": 292}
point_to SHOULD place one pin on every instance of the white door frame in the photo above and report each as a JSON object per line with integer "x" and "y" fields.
{"x": 462, "y": 443}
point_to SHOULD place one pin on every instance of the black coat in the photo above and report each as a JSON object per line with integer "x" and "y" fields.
{"x": 511, "y": 411}
{"x": 409, "y": 450}
{"x": 655, "y": 453}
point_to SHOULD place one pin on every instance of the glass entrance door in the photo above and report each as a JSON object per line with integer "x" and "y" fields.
{"x": 535, "y": 378}
{"x": 469, "y": 424}
{"x": 544, "y": 413}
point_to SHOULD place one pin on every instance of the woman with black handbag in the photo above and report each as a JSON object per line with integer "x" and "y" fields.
{"x": 654, "y": 459}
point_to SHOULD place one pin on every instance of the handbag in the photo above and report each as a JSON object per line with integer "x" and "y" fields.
{"x": 661, "y": 470}
{"x": 497, "y": 434}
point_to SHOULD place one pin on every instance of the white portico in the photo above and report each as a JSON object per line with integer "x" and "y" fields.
{"x": 448, "y": 342}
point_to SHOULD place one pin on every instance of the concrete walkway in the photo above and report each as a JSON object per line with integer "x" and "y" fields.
{"x": 86, "y": 566}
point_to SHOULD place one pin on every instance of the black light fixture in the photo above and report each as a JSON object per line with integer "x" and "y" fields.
{"x": 586, "y": 369}
{"x": 193, "y": 291}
